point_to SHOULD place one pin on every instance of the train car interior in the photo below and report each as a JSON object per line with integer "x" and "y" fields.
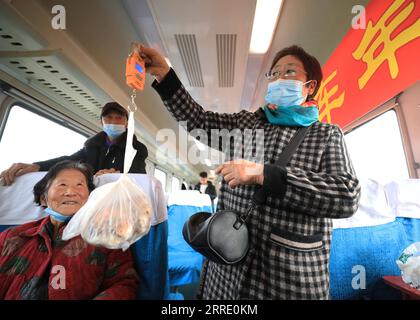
{"x": 61, "y": 62}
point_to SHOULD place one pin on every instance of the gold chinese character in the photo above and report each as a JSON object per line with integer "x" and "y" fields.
{"x": 324, "y": 98}
{"x": 383, "y": 40}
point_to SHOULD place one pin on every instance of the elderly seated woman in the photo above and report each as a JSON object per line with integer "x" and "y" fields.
{"x": 35, "y": 263}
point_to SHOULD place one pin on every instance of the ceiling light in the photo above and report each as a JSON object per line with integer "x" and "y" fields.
{"x": 265, "y": 19}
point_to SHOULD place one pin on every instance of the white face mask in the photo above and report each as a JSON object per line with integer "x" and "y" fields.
{"x": 113, "y": 130}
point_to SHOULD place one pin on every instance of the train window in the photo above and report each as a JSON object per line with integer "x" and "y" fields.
{"x": 29, "y": 137}
{"x": 376, "y": 149}
{"x": 161, "y": 176}
{"x": 176, "y": 184}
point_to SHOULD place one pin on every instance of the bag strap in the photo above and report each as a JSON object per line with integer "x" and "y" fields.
{"x": 284, "y": 158}
{"x": 290, "y": 149}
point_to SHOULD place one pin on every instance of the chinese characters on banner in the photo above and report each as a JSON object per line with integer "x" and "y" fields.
{"x": 372, "y": 65}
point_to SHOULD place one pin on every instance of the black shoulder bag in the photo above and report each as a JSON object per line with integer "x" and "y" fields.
{"x": 222, "y": 237}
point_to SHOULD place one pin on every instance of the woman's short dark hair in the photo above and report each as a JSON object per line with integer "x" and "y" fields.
{"x": 42, "y": 186}
{"x": 310, "y": 63}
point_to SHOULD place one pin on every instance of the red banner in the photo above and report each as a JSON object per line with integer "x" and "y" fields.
{"x": 373, "y": 64}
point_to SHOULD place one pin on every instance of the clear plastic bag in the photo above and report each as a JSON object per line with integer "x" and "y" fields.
{"x": 116, "y": 214}
{"x": 409, "y": 264}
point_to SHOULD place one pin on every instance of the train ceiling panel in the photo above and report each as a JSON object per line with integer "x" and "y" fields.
{"x": 209, "y": 51}
{"x": 30, "y": 60}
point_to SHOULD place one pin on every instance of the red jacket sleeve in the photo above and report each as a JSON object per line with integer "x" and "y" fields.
{"x": 3, "y": 237}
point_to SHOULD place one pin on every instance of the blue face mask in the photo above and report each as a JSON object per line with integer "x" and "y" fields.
{"x": 285, "y": 93}
{"x": 294, "y": 116}
{"x": 113, "y": 130}
{"x": 57, "y": 216}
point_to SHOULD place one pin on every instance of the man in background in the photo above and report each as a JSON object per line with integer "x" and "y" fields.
{"x": 104, "y": 152}
{"x": 206, "y": 187}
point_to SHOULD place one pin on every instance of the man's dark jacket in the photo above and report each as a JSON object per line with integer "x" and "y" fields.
{"x": 210, "y": 190}
{"x": 97, "y": 154}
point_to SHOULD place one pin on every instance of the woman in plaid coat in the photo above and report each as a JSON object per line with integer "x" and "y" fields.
{"x": 290, "y": 236}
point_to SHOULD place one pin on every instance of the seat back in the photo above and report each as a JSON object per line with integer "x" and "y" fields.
{"x": 365, "y": 247}
{"x": 184, "y": 262}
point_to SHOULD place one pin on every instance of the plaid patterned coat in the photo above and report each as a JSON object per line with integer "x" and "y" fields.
{"x": 290, "y": 237}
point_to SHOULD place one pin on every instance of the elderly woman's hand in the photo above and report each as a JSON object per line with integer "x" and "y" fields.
{"x": 155, "y": 63}
{"x": 103, "y": 171}
{"x": 241, "y": 171}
